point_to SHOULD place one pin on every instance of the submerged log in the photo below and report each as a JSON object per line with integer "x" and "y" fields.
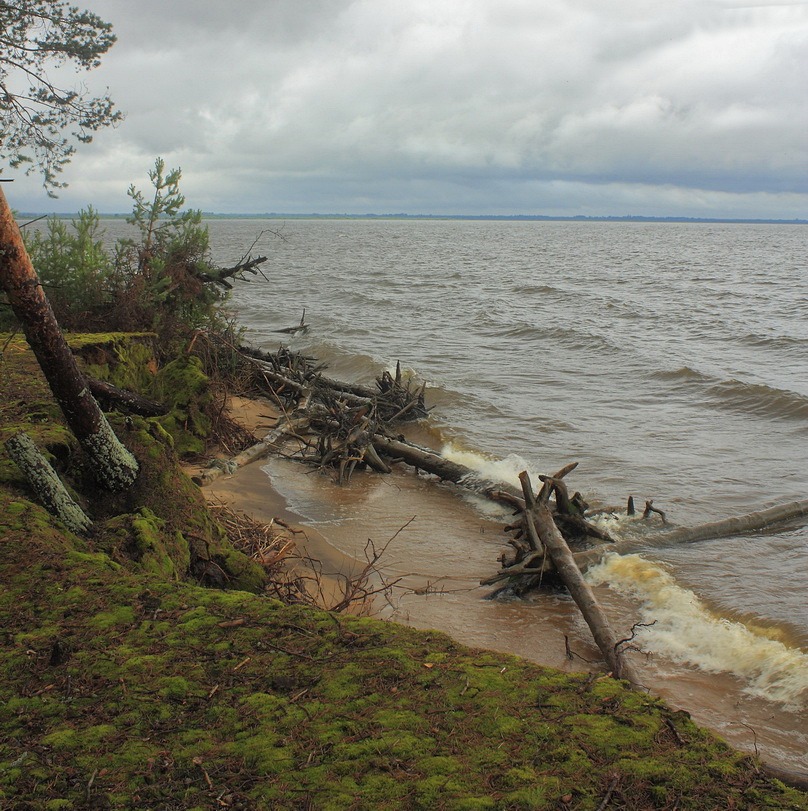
{"x": 301, "y": 327}
{"x": 46, "y": 484}
{"x": 703, "y": 532}
{"x": 112, "y": 465}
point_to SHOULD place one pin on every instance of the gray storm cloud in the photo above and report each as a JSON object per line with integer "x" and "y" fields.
{"x": 463, "y": 106}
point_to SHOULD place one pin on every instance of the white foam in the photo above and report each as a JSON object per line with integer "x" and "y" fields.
{"x": 495, "y": 470}
{"x": 687, "y": 631}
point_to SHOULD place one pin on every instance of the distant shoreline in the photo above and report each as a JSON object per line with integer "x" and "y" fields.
{"x": 471, "y": 217}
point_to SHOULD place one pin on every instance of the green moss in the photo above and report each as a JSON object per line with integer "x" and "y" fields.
{"x": 183, "y": 387}
{"x": 114, "y": 617}
{"x": 473, "y": 804}
{"x": 95, "y": 735}
{"x": 65, "y": 738}
{"x": 344, "y": 683}
{"x": 527, "y": 798}
{"x": 174, "y": 688}
{"x": 94, "y": 558}
{"x": 262, "y": 753}
{"x": 439, "y": 764}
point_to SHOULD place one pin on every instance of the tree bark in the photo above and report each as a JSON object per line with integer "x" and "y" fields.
{"x": 125, "y": 400}
{"x": 46, "y": 484}
{"x": 703, "y": 532}
{"x": 544, "y": 530}
{"x": 113, "y": 466}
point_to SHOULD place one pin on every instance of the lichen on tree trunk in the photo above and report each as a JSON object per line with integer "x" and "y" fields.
{"x": 112, "y": 465}
{"x": 46, "y": 484}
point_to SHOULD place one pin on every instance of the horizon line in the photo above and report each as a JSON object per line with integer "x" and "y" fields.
{"x": 273, "y": 215}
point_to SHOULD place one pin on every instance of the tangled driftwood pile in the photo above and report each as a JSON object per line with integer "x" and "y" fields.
{"x": 337, "y": 424}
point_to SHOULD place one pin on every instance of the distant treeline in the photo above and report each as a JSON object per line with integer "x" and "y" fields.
{"x": 208, "y": 215}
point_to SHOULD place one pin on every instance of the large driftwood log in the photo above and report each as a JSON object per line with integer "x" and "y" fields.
{"x": 113, "y": 466}
{"x": 543, "y": 531}
{"x": 46, "y": 484}
{"x": 286, "y": 425}
{"x": 444, "y": 469}
{"x": 703, "y": 532}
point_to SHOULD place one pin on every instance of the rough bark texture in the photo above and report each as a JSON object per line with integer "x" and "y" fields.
{"x": 46, "y": 484}
{"x": 113, "y": 466}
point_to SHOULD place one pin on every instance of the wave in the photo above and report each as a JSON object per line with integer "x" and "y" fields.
{"x": 780, "y": 343}
{"x": 505, "y": 470}
{"x": 552, "y": 336}
{"x": 684, "y": 373}
{"x": 757, "y": 399}
{"x": 539, "y": 290}
{"x": 686, "y": 631}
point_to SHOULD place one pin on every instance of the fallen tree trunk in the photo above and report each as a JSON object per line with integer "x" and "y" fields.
{"x": 125, "y": 400}
{"x": 46, "y": 484}
{"x": 112, "y": 465}
{"x": 444, "y": 469}
{"x": 543, "y": 531}
{"x": 703, "y": 532}
{"x": 286, "y": 425}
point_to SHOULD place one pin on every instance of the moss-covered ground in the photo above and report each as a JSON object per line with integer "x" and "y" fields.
{"x": 124, "y": 683}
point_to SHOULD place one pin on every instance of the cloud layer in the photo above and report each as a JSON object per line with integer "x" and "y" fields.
{"x": 696, "y": 108}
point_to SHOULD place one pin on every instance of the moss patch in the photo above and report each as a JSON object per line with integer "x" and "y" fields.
{"x": 125, "y": 684}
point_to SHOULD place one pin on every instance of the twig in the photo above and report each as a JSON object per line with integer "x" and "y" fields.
{"x": 612, "y": 786}
{"x": 618, "y": 645}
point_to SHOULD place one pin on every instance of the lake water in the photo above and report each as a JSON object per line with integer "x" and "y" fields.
{"x": 670, "y": 360}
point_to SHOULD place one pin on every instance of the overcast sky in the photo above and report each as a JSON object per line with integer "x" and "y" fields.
{"x": 561, "y": 107}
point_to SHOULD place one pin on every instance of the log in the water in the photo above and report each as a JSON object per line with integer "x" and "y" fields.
{"x": 301, "y": 327}
{"x": 543, "y": 531}
{"x": 703, "y": 532}
{"x": 444, "y": 469}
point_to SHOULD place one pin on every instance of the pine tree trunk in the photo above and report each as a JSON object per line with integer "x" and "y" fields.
{"x": 113, "y": 466}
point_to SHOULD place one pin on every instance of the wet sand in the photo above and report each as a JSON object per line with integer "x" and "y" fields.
{"x": 441, "y": 543}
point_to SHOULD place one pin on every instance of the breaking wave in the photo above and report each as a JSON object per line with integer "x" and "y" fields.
{"x": 686, "y": 631}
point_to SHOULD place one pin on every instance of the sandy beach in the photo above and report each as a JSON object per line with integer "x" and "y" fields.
{"x": 436, "y": 562}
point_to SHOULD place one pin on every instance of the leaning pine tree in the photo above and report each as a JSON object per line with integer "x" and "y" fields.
{"x": 113, "y": 466}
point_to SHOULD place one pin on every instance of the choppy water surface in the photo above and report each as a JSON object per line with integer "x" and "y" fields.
{"x": 670, "y": 360}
